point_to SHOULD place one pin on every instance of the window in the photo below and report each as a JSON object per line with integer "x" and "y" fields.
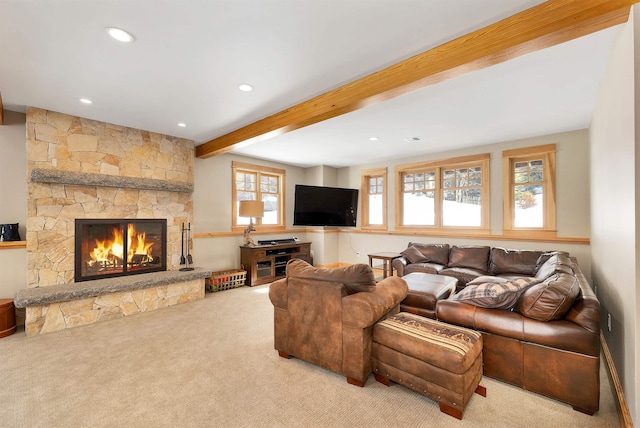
{"x": 374, "y": 198}
{"x": 452, "y": 193}
{"x": 462, "y": 197}
{"x": 258, "y": 183}
{"x": 529, "y": 190}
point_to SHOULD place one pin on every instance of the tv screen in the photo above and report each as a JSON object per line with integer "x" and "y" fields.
{"x": 325, "y": 206}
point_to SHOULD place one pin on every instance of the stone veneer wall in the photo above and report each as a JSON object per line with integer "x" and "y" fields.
{"x": 61, "y": 142}
{"x": 75, "y": 313}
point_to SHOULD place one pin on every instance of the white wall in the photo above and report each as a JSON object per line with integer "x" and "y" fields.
{"x": 614, "y": 205}
{"x": 13, "y": 200}
{"x": 212, "y": 199}
{"x": 213, "y": 211}
{"x": 321, "y": 176}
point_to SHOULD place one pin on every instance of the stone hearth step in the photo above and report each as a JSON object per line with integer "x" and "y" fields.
{"x": 79, "y": 290}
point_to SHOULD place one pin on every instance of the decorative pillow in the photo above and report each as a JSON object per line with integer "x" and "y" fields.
{"x": 549, "y": 300}
{"x": 487, "y": 278}
{"x": 356, "y": 278}
{"x": 497, "y": 294}
{"x": 414, "y": 255}
{"x": 546, "y": 256}
{"x": 557, "y": 263}
{"x": 474, "y": 257}
{"x": 522, "y": 262}
{"x": 433, "y": 253}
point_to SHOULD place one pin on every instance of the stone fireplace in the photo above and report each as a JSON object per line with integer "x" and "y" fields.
{"x": 79, "y": 169}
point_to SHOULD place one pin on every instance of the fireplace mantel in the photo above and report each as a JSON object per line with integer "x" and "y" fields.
{"x": 39, "y": 175}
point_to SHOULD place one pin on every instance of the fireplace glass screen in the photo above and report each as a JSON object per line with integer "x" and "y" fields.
{"x": 108, "y": 248}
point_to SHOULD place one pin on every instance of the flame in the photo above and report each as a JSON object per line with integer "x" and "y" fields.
{"x": 140, "y": 247}
{"x": 106, "y": 250}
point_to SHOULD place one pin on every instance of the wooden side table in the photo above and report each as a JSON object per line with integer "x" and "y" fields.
{"x": 387, "y": 258}
{"x": 7, "y": 317}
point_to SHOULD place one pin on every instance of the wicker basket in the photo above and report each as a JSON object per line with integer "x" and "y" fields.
{"x": 226, "y": 279}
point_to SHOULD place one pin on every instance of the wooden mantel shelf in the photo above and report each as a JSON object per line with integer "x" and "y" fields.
{"x": 89, "y": 179}
{"x": 13, "y": 244}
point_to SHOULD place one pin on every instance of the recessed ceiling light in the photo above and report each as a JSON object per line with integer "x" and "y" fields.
{"x": 86, "y": 101}
{"x": 245, "y": 87}
{"x": 413, "y": 139}
{"x": 182, "y": 125}
{"x": 119, "y": 34}
{"x": 373, "y": 138}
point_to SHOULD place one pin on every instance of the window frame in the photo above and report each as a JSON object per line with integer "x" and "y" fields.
{"x": 258, "y": 170}
{"x": 483, "y": 160}
{"x": 547, "y": 153}
{"x": 366, "y": 175}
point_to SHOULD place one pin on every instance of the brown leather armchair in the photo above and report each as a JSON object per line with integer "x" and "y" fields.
{"x": 326, "y": 316}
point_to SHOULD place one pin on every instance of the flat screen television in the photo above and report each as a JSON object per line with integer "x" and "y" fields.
{"x": 325, "y": 206}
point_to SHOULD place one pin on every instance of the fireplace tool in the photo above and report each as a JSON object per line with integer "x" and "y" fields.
{"x": 182, "y": 259}
{"x": 188, "y": 259}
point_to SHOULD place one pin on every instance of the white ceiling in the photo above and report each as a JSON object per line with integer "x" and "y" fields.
{"x": 190, "y": 55}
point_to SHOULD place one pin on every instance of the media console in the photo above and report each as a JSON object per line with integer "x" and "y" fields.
{"x": 266, "y": 263}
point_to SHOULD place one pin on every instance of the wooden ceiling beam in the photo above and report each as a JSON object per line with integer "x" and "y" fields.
{"x": 542, "y": 26}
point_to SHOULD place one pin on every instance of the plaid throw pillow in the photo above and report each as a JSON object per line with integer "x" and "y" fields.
{"x": 496, "y": 294}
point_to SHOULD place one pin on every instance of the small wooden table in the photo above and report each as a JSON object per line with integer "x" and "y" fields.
{"x": 7, "y": 317}
{"x": 387, "y": 259}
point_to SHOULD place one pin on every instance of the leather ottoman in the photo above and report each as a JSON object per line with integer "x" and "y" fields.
{"x": 425, "y": 289}
{"x": 441, "y": 361}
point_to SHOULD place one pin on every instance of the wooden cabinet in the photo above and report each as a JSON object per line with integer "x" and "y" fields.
{"x": 266, "y": 263}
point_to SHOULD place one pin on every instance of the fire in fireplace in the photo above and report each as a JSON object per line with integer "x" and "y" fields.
{"x": 108, "y": 248}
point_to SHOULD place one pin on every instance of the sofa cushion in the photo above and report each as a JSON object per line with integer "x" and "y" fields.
{"x": 474, "y": 257}
{"x": 494, "y": 292}
{"x": 551, "y": 299}
{"x": 423, "y": 267}
{"x": 413, "y": 255}
{"x": 557, "y": 263}
{"x": 433, "y": 253}
{"x": 504, "y": 260}
{"x": 356, "y": 278}
{"x": 463, "y": 275}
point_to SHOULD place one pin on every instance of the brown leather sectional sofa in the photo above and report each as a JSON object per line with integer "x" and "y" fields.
{"x": 547, "y": 340}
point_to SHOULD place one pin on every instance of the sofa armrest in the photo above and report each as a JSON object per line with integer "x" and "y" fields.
{"x": 399, "y": 264}
{"x": 278, "y": 293}
{"x": 362, "y": 310}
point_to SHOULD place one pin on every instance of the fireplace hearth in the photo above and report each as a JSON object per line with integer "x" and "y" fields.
{"x": 106, "y": 248}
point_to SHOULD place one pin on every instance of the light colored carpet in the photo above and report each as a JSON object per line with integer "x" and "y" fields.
{"x": 212, "y": 363}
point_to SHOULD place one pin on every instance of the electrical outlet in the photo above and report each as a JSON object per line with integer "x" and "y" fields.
{"x": 609, "y": 322}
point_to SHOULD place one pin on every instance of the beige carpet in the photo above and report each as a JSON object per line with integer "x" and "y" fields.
{"x": 212, "y": 363}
